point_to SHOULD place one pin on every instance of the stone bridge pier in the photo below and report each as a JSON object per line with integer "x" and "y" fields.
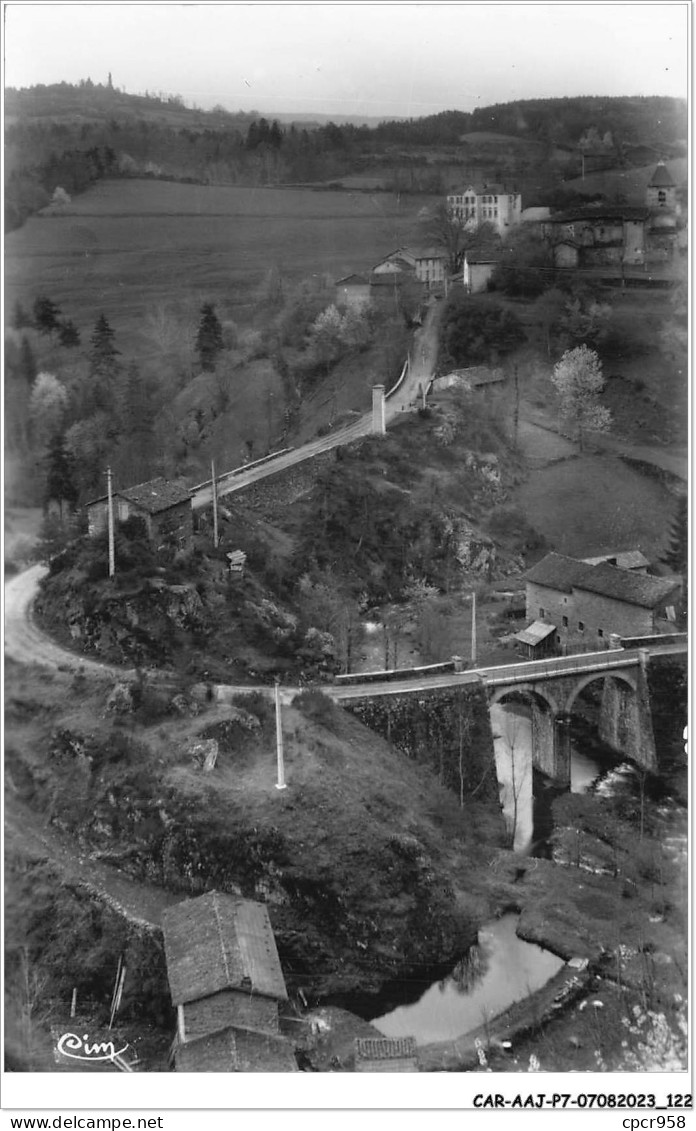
{"x": 625, "y": 720}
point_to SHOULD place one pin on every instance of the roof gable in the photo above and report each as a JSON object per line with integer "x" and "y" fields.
{"x": 218, "y": 942}
{"x": 661, "y": 178}
{"x": 352, "y": 281}
{"x": 556, "y": 571}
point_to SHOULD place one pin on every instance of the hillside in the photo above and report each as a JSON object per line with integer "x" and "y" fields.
{"x": 366, "y": 862}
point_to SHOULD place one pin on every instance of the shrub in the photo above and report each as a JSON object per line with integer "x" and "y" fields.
{"x": 256, "y": 703}
{"x": 319, "y": 708}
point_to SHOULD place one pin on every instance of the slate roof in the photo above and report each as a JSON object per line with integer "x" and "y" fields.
{"x": 157, "y": 495}
{"x": 389, "y": 279}
{"x": 217, "y": 942}
{"x": 625, "y": 585}
{"x": 600, "y": 212}
{"x": 556, "y": 571}
{"x": 484, "y": 255}
{"x": 236, "y": 1050}
{"x": 534, "y": 633}
{"x": 430, "y": 253}
{"x": 354, "y": 280}
{"x": 662, "y": 177}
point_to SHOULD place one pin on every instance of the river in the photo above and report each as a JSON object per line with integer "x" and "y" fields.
{"x": 500, "y": 970}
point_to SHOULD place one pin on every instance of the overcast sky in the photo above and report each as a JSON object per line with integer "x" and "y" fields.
{"x": 368, "y": 59}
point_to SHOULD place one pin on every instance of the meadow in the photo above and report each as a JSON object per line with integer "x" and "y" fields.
{"x": 126, "y": 247}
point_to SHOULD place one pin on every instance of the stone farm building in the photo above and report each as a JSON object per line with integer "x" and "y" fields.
{"x": 163, "y": 505}
{"x": 599, "y": 235}
{"x": 586, "y": 603}
{"x": 226, "y": 982}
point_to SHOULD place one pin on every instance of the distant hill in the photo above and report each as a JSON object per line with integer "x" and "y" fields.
{"x": 630, "y": 120}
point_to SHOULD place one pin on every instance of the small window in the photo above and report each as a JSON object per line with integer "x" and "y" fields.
{"x": 542, "y": 613}
{"x": 558, "y": 639}
{"x": 600, "y": 632}
{"x": 565, "y": 622}
{"x": 581, "y": 626}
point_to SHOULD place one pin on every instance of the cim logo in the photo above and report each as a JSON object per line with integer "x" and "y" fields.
{"x": 79, "y": 1048}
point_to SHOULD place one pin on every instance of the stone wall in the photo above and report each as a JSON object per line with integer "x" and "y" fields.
{"x": 448, "y": 729}
{"x": 271, "y": 495}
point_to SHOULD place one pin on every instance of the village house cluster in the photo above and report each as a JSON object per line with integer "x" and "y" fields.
{"x": 590, "y": 236}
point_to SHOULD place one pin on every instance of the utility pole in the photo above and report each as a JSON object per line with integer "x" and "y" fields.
{"x": 110, "y": 513}
{"x": 280, "y": 784}
{"x": 215, "y": 507}
{"x": 473, "y": 629}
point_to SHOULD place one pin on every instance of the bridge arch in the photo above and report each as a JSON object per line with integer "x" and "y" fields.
{"x": 530, "y": 691}
{"x": 580, "y": 684}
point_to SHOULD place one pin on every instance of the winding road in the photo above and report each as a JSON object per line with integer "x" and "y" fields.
{"x": 404, "y": 397}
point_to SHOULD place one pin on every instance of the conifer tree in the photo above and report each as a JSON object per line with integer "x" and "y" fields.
{"x": 60, "y": 471}
{"x": 46, "y": 315}
{"x": 103, "y": 353}
{"x": 68, "y": 334}
{"x": 209, "y": 341}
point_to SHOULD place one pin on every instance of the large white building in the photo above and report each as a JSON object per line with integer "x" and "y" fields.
{"x": 486, "y": 204}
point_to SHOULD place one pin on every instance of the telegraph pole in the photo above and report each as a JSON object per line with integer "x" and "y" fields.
{"x": 473, "y": 629}
{"x": 110, "y": 513}
{"x": 215, "y": 507}
{"x": 280, "y": 784}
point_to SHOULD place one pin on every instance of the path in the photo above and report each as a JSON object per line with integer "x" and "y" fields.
{"x": 534, "y": 423}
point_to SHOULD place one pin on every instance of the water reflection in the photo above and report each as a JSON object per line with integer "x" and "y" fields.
{"x": 500, "y": 970}
{"x": 512, "y": 743}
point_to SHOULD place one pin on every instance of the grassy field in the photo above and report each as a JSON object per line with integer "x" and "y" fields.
{"x": 594, "y": 504}
{"x": 126, "y": 247}
{"x": 630, "y": 183}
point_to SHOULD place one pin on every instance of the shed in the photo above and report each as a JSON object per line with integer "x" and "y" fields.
{"x": 385, "y": 1054}
{"x": 537, "y": 638}
{"x": 223, "y": 966}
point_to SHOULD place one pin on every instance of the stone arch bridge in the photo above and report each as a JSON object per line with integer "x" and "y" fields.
{"x": 551, "y": 687}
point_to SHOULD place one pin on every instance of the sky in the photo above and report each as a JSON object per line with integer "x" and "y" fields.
{"x": 381, "y": 60}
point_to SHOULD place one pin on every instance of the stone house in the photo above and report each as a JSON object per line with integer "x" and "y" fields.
{"x": 493, "y": 204}
{"x": 353, "y": 292}
{"x": 597, "y": 235}
{"x": 226, "y": 982}
{"x": 163, "y": 505}
{"x": 479, "y": 265}
{"x": 588, "y": 603}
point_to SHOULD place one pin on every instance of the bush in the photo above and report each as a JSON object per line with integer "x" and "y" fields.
{"x": 256, "y": 703}
{"x": 319, "y": 708}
